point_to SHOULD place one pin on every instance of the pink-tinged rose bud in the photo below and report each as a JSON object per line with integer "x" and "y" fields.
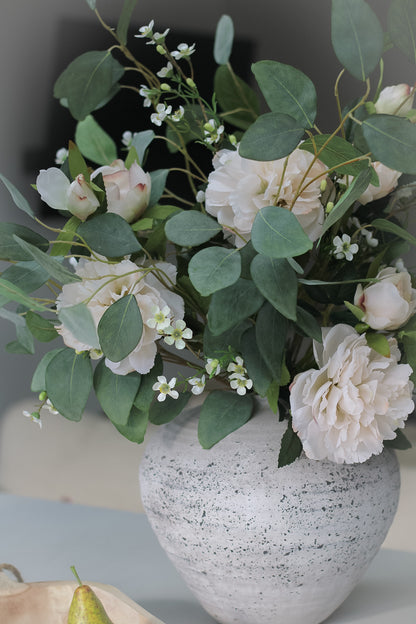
{"x": 395, "y": 100}
{"x": 59, "y": 193}
{"x": 127, "y": 190}
{"x": 81, "y": 200}
{"x": 389, "y": 303}
{"x": 388, "y": 179}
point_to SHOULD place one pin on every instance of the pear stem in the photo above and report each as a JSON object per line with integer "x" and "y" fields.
{"x": 75, "y": 573}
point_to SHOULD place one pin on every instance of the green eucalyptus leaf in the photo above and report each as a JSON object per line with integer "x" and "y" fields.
{"x": 124, "y": 20}
{"x": 392, "y": 228}
{"x": 110, "y": 235}
{"x": 291, "y": 447}
{"x": 20, "y": 201}
{"x": 239, "y": 102}
{"x": 392, "y": 140}
{"x": 271, "y": 330}
{"x": 87, "y": 81}
{"x": 161, "y": 212}
{"x": 287, "y": 90}
{"x": 52, "y": 266}
{"x": 221, "y": 414}
{"x": 78, "y": 320}
{"x": 68, "y": 380}
{"x": 347, "y": 199}
{"x": 94, "y": 142}
{"x": 273, "y": 393}
{"x": 218, "y": 346}
{"x": 162, "y": 412}
{"x": 63, "y": 244}
{"x": 38, "y": 383}
{"x": 141, "y": 141}
{"x": 136, "y": 426}
{"x": 41, "y": 328}
{"x": 308, "y": 324}
{"x": 27, "y": 276}
{"x": 270, "y": 137}
{"x": 276, "y": 280}
{"x": 276, "y": 233}
{"x": 24, "y": 342}
{"x": 10, "y": 248}
{"x": 116, "y": 393}
{"x": 233, "y": 304}
{"x": 357, "y": 36}
{"x": 336, "y": 153}
{"x": 191, "y": 228}
{"x": 214, "y": 268}
{"x": 223, "y": 43}
{"x": 120, "y": 328}
{"x": 257, "y": 368}
{"x": 159, "y": 178}
{"x": 10, "y": 292}
{"x": 401, "y": 22}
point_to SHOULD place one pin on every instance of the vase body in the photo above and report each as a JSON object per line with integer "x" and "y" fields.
{"x": 257, "y": 543}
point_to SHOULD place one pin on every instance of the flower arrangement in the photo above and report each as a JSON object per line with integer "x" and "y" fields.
{"x": 279, "y": 273}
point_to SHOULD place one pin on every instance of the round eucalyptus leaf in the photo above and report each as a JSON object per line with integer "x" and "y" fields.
{"x": 392, "y": 140}
{"x": 221, "y": 414}
{"x": 287, "y": 90}
{"x": 276, "y": 280}
{"x": 94, "y": 142}
{"x": 223, "y": 43}
{"x": 116, "y": 393}
{"x": 231, "y": 305}
{"x": 276, "y": 233}
{"x": 68, "y": 380}
{"x": 214, "y": 268}
{"x": 110, "y": 235}
{"x": 191, "y": 228}
{"x": 270, "y": 137}
{"x": 120, "y": 328}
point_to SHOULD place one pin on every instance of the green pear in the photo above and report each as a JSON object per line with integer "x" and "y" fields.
{"x": 86, "y": 607}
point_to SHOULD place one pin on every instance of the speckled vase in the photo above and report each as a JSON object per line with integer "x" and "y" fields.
{"x": 257, "y": 543}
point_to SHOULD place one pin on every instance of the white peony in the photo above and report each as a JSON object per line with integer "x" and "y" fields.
{"x": 357, "y": 398}
{"x": 395, "y": 100}
{"x": 127, "y": 190}
{"x": 388, "y": 179}
{"x": 104, "y": 283}
{"x": 238, "y": 188}
{"x": 389, "y": 303}
{"x": 59, "y": 193}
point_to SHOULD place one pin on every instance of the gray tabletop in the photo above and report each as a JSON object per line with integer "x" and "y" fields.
{"x": 44, "y": 538}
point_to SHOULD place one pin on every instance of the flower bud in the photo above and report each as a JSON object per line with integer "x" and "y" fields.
{"x": 190, "y": 83}
{"x": 395, "y": 100}
{"x": 81, "y": 200}
{"x": 329, "y": 207}
{"x": 323, "y": 186}
{"x": 160, "y": 49}
{"x": 165, "y": 87}
{"x": 43, "y": 396}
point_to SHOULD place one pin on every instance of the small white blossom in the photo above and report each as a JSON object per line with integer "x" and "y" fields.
{"x": 399, "y": 265}
{"x": 175, "y": 335}
{"x": 183, "y": 51}
{"x": 127, "y": 138}
{"x": 161, "y": 318}
{"x": 61, "y": 156}
{"x": 145, "y": 93}
{"x": 237, "y": 368}
{"x": 213, "y": 367}
{"x": 165, "y": 72}
{"x": 51, "y": 408}
{"x": 165, "y": 388}
{"x": 370, "y": 240}
{"x": 146, "y": 31}
{"x": 178, "y": 114}
{"x": 200, "y": 197}
{"x": 198, "y": 384}
{"x": 158, "y": 37}
{"x": 34, "y": 417}
{"x": 73, "y": 262}
{"x": 162, "y": 111}
{"x": 241, "y": 384}
{"x": 344, "y": 248}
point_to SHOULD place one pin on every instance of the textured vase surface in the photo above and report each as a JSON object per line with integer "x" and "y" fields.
{"x": 262, "y": 544}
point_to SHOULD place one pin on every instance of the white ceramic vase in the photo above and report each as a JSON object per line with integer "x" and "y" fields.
{"x": 258, "y": 543}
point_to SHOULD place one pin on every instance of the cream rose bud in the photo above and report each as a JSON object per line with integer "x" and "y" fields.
{"x": 59, "y": 193}
{"x": 357, "y": 398}
{"x": 389, "y": 303}
{"x": 127, "y": 190}
{"x": 395, "y": 100}
{"x": 388, "y": 179}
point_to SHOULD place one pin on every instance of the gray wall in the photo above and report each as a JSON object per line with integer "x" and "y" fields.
{"x": 293, "y": 31}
